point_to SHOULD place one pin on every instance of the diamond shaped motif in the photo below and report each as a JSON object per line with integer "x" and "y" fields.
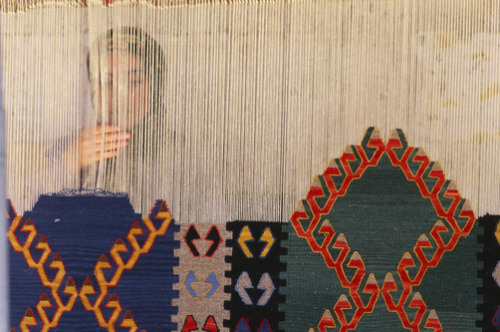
{"x": 382, "y": 217}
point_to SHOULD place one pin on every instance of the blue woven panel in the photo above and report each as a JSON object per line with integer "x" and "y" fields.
{"x": 79, "y": 284}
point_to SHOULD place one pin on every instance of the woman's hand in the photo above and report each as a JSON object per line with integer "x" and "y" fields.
{"x": 94, "y": 144}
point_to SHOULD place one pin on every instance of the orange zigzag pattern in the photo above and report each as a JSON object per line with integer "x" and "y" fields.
{"x": 54, "y": 285}
{"x": 341, "y": 169}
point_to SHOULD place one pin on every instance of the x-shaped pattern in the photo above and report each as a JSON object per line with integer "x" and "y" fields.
{"x": 156, "y": 225}
{"x": 309, "y": 212}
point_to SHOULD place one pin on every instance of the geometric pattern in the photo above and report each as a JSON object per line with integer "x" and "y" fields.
{"x": 370, "y": 172}
{"x": 255, "y": 276}
{"x": 202, "y": 277}
{"x": 381, "y": 242}
{"x": 490, "y": 273}
{"x": 92, "y": 288}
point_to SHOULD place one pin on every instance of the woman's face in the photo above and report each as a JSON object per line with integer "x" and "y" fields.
{"x": 123, "y": 89}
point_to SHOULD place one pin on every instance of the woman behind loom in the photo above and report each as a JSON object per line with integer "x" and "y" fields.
{"x": 121, "y": 151}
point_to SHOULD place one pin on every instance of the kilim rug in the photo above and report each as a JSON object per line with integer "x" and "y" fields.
{"x": 490, "y": 273}
{"x": 89, "y": 263}
{"x": 382, "y": 241}
{"x": 181, "y": 165}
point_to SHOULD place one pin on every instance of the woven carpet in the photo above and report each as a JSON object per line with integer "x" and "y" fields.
{"x": 381, "y": 242}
